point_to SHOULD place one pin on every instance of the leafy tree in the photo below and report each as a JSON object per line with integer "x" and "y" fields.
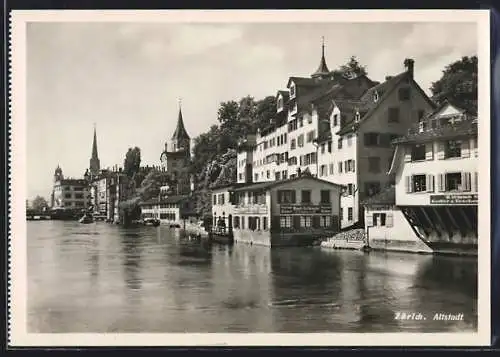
{"x": 458, "y": 84}
{"x": 132, "y": 161}
{"x": 352, "y": 66}
{"x": 39, "y": 204}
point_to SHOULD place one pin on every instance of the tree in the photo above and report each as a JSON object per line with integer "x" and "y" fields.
{"x": 458, "y": 84}
{"x": 351, "y": 67}
{"x": 39, "y": 204}
{"x": 132, "y": 161}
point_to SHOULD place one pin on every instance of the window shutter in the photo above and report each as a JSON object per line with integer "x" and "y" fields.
{"x": 389, "y": 220}
{"x": 369, "y": 220}
{"x": 440, "y": 153}
{"x": 476, "y": 182}
{"x": 427, "y": 183}
{"x": 353, "y": 165}
{"x": 463, "y": 184}
{"x": 429, "y": 151}
{"x": 441, "y": 183}
{"x": 411, "y": 183}
{"x": 432, "y": 183}
{"x": 407, "y": 154}
{"x": 294, "y": 199}
{"x": 407, "y": 184}
{"x": 465, "y": 149}
{"x": 467, "y": 184}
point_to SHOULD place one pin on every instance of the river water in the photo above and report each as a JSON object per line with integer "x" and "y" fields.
{"x": 107, "y": 278}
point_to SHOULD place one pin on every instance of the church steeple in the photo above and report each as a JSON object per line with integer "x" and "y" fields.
{"x": 322, "y": 70}
{"x": 95, "y": 165}
{"x": 180, "y": 138}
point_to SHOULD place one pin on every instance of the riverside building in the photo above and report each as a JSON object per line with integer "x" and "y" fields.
{"x": 290, "y": 212}
{"x": 433, "y": 204}
{"x": 338, "y": 129}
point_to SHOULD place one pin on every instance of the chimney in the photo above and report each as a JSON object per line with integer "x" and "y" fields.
{"x": 409, "y": 64}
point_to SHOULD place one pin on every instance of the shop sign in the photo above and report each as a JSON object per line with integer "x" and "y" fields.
{"x": 305, "y": 209}
{"x": 454, "y": 199}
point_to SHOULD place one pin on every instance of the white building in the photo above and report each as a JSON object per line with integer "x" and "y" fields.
{"x": 435, "y": 167}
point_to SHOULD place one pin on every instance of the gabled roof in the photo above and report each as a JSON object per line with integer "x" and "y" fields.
{"x": 384, "y": 90}
{"x": 180, "y": 132}
{"x": 386, "y": 197}
{"x": 284, "y": 93}
{"x": 260, "y": 186}
{"x": 302, "y": 82}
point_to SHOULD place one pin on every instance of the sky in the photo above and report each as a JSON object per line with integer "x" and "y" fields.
{"x": 127, "y": 78}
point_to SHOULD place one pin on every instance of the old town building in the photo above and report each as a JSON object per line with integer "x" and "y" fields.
{"x": 69, "y": 193}
{"x": 338, "y": 129}
{"x": 433, "y": 205}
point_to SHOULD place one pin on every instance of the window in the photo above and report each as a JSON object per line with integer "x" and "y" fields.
{"x": 284, "y": 174}
{"x": 268, "y": 174}
{"x": 221, "y": 199}
{"x": 452, "y": 149}
{"x": 340, "y": 167}
{"x": 67, "y": 195}
{"x": 453, "y": 181}
{"x": 393, "y": 115}
{"x": 292, "y": 160}
{"x": 236, "y": 223}
{"x": 300, "y": 140}
{"x": 309, "y": 119}
{"x": 292, "y": 125}
{"x": 256, "y": 177}
{"x": 323, "y": 170}
{"x": 379, "y": 219}
{"x": 335, "y": 119}
{"x": 301, "y": 122}
{"x": 284, "y": 138}
{"x": 404, "y": 93}
{"x": 280, "y": 103}
{"x": 350, "y": 189}
{"x": 286, "y": 221}
{"x": 375, "y": 96}
{"x": 329, "y": 146}
{"x": 341, "y": 214}
{"x": 277, "y": 176}
{"x": 79, "y": 196}
{"x": 286, "y": 196}
{"x": 306, "y": 196}
{"x": 349, "y": 140}
{"x": 331, "y": 168}
{"x": 310, "y": 136}
{"x": 340, "y": 143}
{"x": 323, "y": 147}
{"x": 325, "y": 221}
{"x": 418, "y": 152}
{"x": 325, "y": 196}
{"x": 372, "y": 188}
{"x": 292, "y": 90}
{"x": 293, "y": 144}
{"x": 374, "y": 165}
{"x": 305, "y": 221}
{"x": 349, "y": 214}
{"x": 419, "y": 183}
{"x": 350, "y": 167}
{"x": 371, "y": 139}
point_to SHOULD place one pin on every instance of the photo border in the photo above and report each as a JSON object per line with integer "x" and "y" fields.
{"x": 17, "y": 247}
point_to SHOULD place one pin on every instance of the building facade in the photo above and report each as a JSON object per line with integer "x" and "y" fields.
{"x": 435, "y": 169}
{"x": 338, "y": 129}
{"x": 69, "y": 193}
{"x": 176, "y": 160}
{"x": 289, "y": 212}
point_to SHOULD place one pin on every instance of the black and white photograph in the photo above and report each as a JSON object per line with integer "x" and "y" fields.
{"x": 249, "y": 177}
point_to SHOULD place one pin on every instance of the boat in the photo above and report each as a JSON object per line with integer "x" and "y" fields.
{"x": 86, "y": 219}
{"x": 151, "y": 222}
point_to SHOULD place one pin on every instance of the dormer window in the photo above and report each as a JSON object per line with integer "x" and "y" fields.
{"x": 357, "y": 117}
{"x": 292, "y": 90}
{"x": 280, "y": 104}
{"x": 375, "y": 96}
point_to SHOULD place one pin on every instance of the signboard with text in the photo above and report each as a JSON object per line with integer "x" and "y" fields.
{"x": 454, "y": 199}
{"x": 305, "y": 209}
{"x": 251, "y": 209}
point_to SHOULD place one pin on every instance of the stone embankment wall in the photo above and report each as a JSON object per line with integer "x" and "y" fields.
{"x": 352, "y": 239}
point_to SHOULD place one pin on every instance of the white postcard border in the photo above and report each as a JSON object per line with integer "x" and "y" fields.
{"x": 17, "y": 275}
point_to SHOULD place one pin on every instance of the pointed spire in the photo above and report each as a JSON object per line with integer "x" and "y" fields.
{"x": 180, "y": 132}
{"x": 323, "y": 68}
{"x": 95, "y": 165}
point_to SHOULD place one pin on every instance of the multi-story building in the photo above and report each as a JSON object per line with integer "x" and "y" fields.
{"x": 176, "y": 161}
{"x": 69, "y": 193}
{"x": 433, "y": 205}
{"x": 338, "y": 129}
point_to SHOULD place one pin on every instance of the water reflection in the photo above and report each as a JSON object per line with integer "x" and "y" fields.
{"x": 153, "y": 279}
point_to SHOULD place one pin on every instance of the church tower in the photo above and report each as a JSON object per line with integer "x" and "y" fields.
{"x": 95, "y": 165}
{"x": 180, "y": 139}
{"x": 322, "y": 72}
